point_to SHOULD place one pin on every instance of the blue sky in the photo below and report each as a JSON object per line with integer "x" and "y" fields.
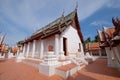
{"x": 20, "y": 18}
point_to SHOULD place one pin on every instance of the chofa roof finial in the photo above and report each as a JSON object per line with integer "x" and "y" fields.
{"x": 76, "y": 7}
{"x": 63, "y": 13}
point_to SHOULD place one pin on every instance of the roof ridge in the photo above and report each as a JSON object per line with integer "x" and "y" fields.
{"x": 54, "y": 22}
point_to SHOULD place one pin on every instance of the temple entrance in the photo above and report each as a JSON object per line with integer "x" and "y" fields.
{"x": 65, "y": 46}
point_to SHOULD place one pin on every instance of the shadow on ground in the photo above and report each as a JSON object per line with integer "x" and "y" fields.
{"x": 2, "y": 60}
{"x": 79, "y": 76}
{"x": 100, "y": 67}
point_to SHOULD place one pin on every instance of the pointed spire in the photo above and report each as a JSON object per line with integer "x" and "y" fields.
{"x": 63, "y": 13}
{"x": 76, "y": 6}
{"x": 1, "y": 39}
{"x": 101, "y": 35}
{"x": 104, "y": 28}
{"x": 62, "y": 17}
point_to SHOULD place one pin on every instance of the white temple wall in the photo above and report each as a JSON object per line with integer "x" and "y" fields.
{"x": 111, "y": 56}
{"x": 31, "y": 47}
{"x": 117, "y": 57}
{"x": 73, "y": 40}
{"x": 25, "y": 52}
{"x": 37, "y": 49}
{"x": 49, "y": 41}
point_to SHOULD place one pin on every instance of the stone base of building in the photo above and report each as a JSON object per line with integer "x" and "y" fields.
{"x": 48, "y": 70}
{"x": 2, "y": 56}
{"x": 49, "y": 64}
{"x": 62, "y": 56}
{"x": 10, "y": 55}
{"x": 20, "y": 57}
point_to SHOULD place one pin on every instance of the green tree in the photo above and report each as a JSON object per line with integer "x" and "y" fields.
{"x": 96, "y": 39}
{"x": 86, "y": 41}
{"x": 19, "y": 42}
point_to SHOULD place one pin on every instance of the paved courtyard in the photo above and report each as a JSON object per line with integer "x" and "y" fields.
{"x": 98, "y": 70}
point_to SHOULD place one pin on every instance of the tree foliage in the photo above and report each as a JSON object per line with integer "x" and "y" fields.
{"x": 19, "y": 42}
{"x": 88, "y": 40}
{"x": 96, "y": 39}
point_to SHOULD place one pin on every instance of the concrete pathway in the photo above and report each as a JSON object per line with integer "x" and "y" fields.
{"x": 98, "y": 70}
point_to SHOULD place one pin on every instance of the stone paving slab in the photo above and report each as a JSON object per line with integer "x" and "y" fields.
{"x": 98, "y": 70}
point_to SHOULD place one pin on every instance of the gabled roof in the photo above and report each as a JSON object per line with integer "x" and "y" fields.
{"x": 4, "y": 48}
{"x": 57, "y": 26}
{"x": 109, "y": 32}
{"x": 93, "y": 46}
{"x": 101, "y": 36}
{"x": 105, "y": 44}
{"x": 57, "y": 22}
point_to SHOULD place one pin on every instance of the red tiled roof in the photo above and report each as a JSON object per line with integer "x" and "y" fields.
{"x": 105, "y": 44}
{"x": 110, "y": 32}
{"x": 57, "y": 26}
{"x": 14, "y": 49}
{"x": 101, "y": 36}
{"x": 4, "y": 48}
{"x": 93, "y": 46}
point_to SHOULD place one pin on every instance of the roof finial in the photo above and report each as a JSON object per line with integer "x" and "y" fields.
{"x": 76, "y": 6}
{"x": 63, "y": 13}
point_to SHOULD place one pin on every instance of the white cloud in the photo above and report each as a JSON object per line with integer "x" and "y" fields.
{"x": 100, "y": 23}
{"x": 89, "y": 7}
{"x": 26, "y": 12}
{"x": 113, "y": 4}
{"x": 33, "y": 14}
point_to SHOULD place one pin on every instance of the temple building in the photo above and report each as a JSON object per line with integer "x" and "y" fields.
{"x": 63, "y": 36}
{"x": 3, "y": 48}
{"x": 110, "y": 41}
{"x": 94, "y": 49}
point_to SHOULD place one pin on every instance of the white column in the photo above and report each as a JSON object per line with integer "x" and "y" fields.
{"x": 110, "y": 57}
{"x": 81, "y": 47}
{"x": 28, "y": 49}
{"x": 41, "y": 48}
{"x": 24, "y": 47}
{"x": 34, "y": 46}
{"x": 17, "y": 52}
{"x": 61, "y": 44}
{"x": 116, "y": 54}
{"x": 56, "y": 44}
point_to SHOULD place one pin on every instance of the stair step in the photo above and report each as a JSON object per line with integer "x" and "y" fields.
{"x": 67, "y": 67}
{"x": 67, "y": 70}
{"x": 33, "y": 63}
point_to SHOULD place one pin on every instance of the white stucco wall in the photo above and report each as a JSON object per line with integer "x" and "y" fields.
{"x": 49, "y": 41}
{"x": 37, "y": 49}
{"x": 113, "y": 57}
{"x": 25, "y": 49}
{"x": 73, "y": 39}
{"x": 31, "y": 47}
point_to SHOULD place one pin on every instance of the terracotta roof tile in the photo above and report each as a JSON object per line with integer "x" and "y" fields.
{"x": 110, "y": 32}
{"x": 93, "y": 46}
